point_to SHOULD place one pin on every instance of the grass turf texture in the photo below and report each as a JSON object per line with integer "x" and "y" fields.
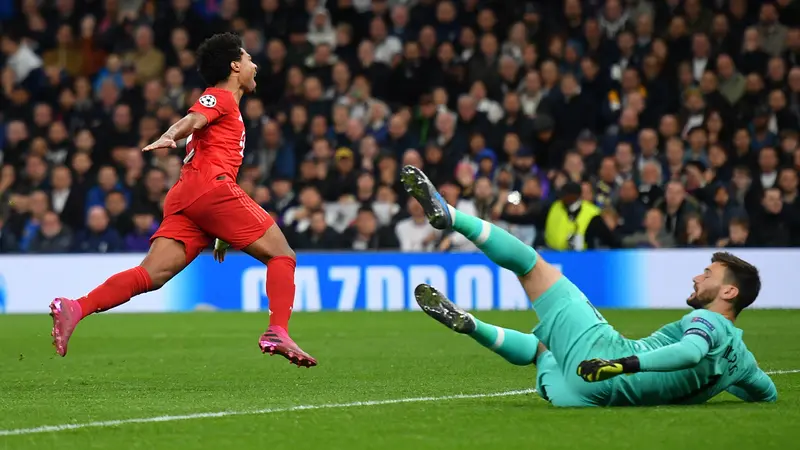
{"x": 137, "y": 366}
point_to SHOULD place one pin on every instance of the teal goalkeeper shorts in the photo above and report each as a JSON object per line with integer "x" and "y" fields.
{"x": 573, "y": 331}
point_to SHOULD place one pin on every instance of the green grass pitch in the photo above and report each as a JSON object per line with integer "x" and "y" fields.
{"x": 143, "y": 366}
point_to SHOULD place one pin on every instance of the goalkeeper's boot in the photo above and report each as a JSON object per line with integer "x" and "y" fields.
{"x": 436, "y": 305}
{"x": 420, "y": 187}
{"x": 66, "y": 314}
{"x": 276, "y": 341}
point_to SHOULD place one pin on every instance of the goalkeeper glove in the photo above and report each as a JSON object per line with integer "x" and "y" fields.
{"x": 221, "y": 245}
{"x": 597, "y": 369}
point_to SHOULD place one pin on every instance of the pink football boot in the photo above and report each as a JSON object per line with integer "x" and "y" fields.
{"x": 277, "y": 341}
{"x": 66, "y": 314}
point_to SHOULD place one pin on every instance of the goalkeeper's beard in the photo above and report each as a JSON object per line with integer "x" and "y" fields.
{"x": 699, "y": 301}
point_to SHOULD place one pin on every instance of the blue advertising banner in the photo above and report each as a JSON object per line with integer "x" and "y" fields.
{"x": 386, "y": 281}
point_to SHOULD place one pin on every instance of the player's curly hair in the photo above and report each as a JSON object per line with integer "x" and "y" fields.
{"x": 741, "y": 274}
{"x": 215, "y": 55}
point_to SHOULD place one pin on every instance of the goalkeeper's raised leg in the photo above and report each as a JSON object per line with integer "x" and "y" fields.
{"x": 568, "y": 322}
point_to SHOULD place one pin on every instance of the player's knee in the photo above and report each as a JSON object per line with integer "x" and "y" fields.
{"x": 161, "y": 273}
{"x": 282, "y": 253}
{"x": 290, "y": 253}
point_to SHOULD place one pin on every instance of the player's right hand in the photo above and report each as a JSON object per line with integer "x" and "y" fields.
{"x": 161, "y": 143}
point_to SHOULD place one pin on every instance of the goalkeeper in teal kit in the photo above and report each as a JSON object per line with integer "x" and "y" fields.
{"x": 581, "y": 360}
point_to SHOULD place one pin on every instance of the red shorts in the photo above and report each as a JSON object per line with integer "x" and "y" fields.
{"x": 225, "y": 212}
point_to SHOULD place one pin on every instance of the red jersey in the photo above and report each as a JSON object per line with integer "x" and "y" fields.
{"x": 213, "y": 153}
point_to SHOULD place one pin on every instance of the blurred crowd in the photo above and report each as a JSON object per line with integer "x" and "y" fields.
{"x": 574, "y": 124}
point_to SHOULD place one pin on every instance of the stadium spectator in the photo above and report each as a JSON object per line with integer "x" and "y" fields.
{"x": 28, "y": 224}
{"x": 773, "y": 225}
{"x": 98, "y": 237}
{"x": 653, "y": 236}
{"x": 739, "y": 232}
{"x": 367, "y": 234}
{"x": 568, "y": 219}
{"x": 603, "y": 231}
{"x": 144, "y": 226}
{"x": 52, "y": 236}
{"x": 693, "y": 233}
{"x": 415, "y": 233}
{"x": 66, "y": 200}
{"x": 318, "y": 235}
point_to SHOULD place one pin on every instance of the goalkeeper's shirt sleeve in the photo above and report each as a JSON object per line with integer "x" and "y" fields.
{"x": 758, "y": 387}
{"x": 683, "y": 354}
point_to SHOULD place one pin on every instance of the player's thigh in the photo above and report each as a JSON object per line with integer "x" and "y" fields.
{"x": 175, "y": 244}
{"x": 228, "y": 213}
{"x": 569, "y": 326}
{"x": 552, "y": 385}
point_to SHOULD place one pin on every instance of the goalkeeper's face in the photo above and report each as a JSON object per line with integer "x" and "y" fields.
{"x": 706, "y": 287}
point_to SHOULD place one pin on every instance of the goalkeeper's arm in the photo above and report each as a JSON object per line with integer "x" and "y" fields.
{"x": 681, "y": 355}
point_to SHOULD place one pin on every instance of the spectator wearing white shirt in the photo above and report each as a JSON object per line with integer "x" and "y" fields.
{"x": 21, "y": 59}
{"x": 320, "y": 29}
{"x": 415, "y": 233}
{"x": 386, "y": 47}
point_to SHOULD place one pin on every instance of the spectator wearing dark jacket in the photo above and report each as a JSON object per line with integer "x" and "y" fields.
{"x": 66, "y": 198}
{"x": 52, "y": 237}
{"x": 772, "y": 226}
{"x": 275, "y": 158}
{"x": 571, "y": 110}
{"x": 318, "y": 235}
{"x": 630, "y": 209}
{"x": 719, "y": 214}
{"x": 98, "y": 237}
{"x": 365, "y": 234}
{"x": 675, "y": 206}
{"x": 602, "y": 232}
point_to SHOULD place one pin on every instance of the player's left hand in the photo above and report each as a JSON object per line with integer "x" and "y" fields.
{"x": 161, "y": 143}
{"x": 597, "y": 369}
{"x": 220, "y": 249}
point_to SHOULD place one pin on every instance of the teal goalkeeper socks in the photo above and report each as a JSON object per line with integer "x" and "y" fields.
{"x": 517, "y": 348}
{"x": 501, "y": 247}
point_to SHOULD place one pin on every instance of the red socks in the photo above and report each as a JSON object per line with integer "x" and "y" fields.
{"x": 280, "y": 290}
{"x": 117, "y": 290}
{"x": 121, "y": 287}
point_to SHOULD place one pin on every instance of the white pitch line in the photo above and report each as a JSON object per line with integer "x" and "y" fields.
{"x": 114, "y": 423}
{"x": 782, "y": 372}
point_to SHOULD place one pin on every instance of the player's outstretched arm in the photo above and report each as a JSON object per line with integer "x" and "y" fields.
{"x": 179, "y": 130}
{"x": 757, "y": 388}
{"x": 681, "y": 355}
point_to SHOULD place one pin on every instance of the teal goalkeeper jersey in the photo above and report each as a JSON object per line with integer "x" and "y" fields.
{"x": 727, "y": 365}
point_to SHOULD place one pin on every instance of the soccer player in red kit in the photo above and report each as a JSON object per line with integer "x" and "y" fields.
{"x": 204, "y": 204}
